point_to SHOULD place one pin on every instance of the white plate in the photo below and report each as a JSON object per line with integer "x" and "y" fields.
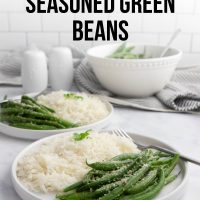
{"x": 173, "y": 191}
{"x": 38, "y": 134}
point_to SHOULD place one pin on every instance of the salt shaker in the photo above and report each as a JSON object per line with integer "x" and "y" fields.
{"x": 34, "y": 71}
{"x": 61, "y": 68}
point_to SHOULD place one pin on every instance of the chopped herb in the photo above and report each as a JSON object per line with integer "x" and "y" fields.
{"x": 81, "y": 136}
{"x": 73, "y": 96}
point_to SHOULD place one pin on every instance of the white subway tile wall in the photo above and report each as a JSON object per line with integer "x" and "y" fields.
{"x": 4, "y": 22}
{"x": 196, "y": 42}
{"x": 25, "y": 22}
{"x": 20, "y": 29}
{"x": 43, "y": 38}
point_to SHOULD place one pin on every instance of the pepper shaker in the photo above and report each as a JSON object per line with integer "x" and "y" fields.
{"x": 34, "y": 71}
{"x": 61, "y": 68}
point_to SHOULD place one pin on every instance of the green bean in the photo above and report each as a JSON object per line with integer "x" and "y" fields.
{"x": 118, "y": 50}
{"x": 125, "y": 177}
{"x": 12, "y": 104}
{"x": 144, "y": 183}
{"x": 153, "y": 158}
{"x": 73, "y": 186}
{"x": 37, "y": 104}
{"x": 32, "y": 126}
{"x": 172, "y": 165}
{"x": 162, "y": 161}
{"x": 19, "y": 119}
{"x": 37, "y": 115}
{"x": 151, "y": 193}
{"x": 28, "y": 102}
{"x": 126, "y": 156}
{"x": 163, "y": 154}
{"x": 109, "y": 165}
{"x": 148, "y": 189}
{"x": 122, "y": 55}
{"x": 129, "y": 56}
{"x": 113, "y": 175}
{"x": 125, "y": 186}
{"x": 93, "y": 173}
{"x": 76, "y": 196}
{"x": 108, "y": 187}
{"x": 171, "y": 178}
{"x": 123, "y": 52}
{"x": 114, "y": 194}
{"x": 129, "y": 49}
{"x": 137, "y": 176}
{"x": 47, "y": 108}
{"x": 149, "y": 155}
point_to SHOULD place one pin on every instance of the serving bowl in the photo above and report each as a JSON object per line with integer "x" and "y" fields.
{"x": 133, "y": 77}
{"x": 173, "y": 191}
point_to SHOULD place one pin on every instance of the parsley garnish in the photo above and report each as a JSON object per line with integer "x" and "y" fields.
{"x": 81, "y": 136}
{"x": 73, "y": 96}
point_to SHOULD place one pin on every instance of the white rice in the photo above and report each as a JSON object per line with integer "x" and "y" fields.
{"x": 61, "y": 161}
{"x": 84, "y": 111}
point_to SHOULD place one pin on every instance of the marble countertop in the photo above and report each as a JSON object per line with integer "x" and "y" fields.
{"x": 179, "y": 130}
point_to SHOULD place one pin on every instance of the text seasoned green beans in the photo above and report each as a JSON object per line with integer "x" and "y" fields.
{"x": 29, "y": 114}
{"x": 128, "y": 176}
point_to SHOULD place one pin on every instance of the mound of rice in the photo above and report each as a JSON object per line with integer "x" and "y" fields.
{"x": 61, "y": 161}
{"x": 83, "y": 111}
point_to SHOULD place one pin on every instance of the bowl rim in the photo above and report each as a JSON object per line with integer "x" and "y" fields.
{"x": 178, "y": 54}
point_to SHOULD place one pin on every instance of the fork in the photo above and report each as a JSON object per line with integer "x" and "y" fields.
{"x": 140, "y": 146}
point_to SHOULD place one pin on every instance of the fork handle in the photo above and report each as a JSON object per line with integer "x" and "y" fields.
{"x": 185, "y": 158}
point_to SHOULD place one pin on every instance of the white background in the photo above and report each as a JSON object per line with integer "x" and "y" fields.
{"x": 18, "y": 28}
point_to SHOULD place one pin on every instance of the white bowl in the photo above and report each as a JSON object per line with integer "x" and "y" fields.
{"x": 173, "y": 191}
{"x": 133, "y": 77}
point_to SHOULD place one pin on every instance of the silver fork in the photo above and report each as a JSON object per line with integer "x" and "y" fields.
{"x": 140, "y": 146}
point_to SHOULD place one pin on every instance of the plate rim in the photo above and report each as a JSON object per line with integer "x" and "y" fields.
{"x": 31, "y": 132}
{"x": 17, "y": 183}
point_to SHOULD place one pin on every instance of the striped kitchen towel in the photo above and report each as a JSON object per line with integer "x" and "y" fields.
{"x": 182, "y": 94}
{"x": 10, "y": 64}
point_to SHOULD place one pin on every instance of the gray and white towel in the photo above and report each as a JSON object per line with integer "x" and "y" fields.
{"x": 182, "y": 94}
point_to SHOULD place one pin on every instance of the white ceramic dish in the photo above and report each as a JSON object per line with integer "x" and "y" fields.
{"x": 38, "y": 134}
{"x": 133, "y": 77}
{"x": 173, "y": 191}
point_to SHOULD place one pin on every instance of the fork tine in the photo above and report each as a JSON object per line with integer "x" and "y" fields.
{"x": 121, "y": 133}
{"x": 124, "y": 133}
{"x": 114, "y": 132}
{"x": 117, "y": 132}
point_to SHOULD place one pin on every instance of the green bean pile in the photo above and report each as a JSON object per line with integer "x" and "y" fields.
{"x": 128, "y": 176}
{"x": 124, "y": 52}
{"x": 29, "y": 114}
